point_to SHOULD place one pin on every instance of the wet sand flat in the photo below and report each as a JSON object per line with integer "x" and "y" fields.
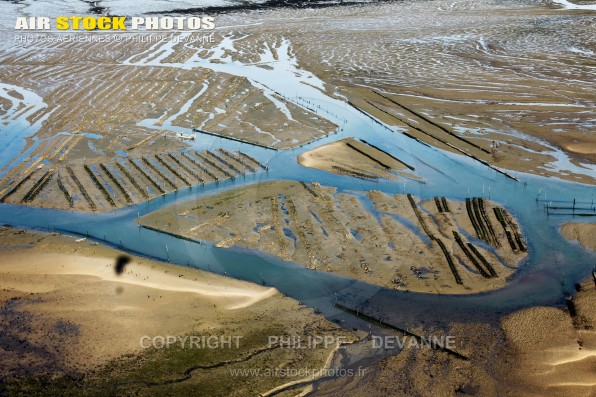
{"x": 585, "y": 234}
{"x": 403, "y": 243}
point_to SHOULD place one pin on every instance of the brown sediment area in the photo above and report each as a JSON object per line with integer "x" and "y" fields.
{"x": 65, "y": 312}
{"x": 496, "y": 147}
{"x": 532, "y": 352}
{"x": 102, "y": 184}
{"x": 231, "y": 106}
{"x": 92, "y": 115}
{"x": 353, "y": 157}
{"x": 483, "y": 90}
{"x": 584, "y": 233}
{"x": 325, "y": 230}
{"x": 478, "y": 103}
{"x": 489, "y": 75}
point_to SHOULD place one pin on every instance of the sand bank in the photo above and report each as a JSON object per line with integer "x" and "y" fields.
{"x": 65, "y": 311}
{"x": 555, "y": 351}
{"x": 353, "y": 157}
{"x": 540, "y": 351}
{"x": 585, "y": 234}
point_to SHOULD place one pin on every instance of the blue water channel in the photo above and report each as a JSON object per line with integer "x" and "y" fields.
{"x": 553, "y": 266}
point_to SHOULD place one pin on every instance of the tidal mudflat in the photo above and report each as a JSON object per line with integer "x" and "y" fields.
{"x": 398, "y": 169}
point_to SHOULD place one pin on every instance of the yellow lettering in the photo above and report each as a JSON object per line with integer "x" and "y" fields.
{"x": 118, "y": 23}
{"x": 62, "y": 23}
{"x": 76, "y": 22}
{"x": 89, "y": 23}
{"x": 103, "y": 23}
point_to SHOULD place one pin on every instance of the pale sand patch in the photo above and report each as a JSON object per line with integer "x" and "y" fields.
{"x": 555, "y": 354}
{"x": 65, "y": 310}
{"x": 585, "y": 234}
{"x": 110, "y": 313}
{"x": 339, "y": 154}
{"x": 581, "y": 148}
{"x": 135, "y": 274}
